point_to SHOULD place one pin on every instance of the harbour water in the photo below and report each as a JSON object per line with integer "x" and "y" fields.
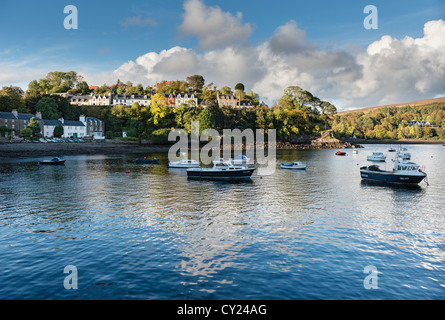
{"x": 153, "y": 234}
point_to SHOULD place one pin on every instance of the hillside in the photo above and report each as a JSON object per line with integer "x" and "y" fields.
{"x": 412, "y": 103}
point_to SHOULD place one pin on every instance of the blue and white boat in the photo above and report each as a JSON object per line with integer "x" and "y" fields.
{"x": 376, "y": 156}
{"x": 221, "y": 170}
{"x": 293, "y": 165}
{"x": 53, "y": 161}
{"x": 404, "y": 172}
{"x": 241, "y": 159}
{"x": 146, "y": 161}
{"x": 184, "y": 163}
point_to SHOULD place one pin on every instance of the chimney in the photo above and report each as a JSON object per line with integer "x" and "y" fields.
{"x": 61, "y": 120}
{"x": 15, "y": 113}
{"x": 82, "y": 119}
{"x": 38, "y": 114}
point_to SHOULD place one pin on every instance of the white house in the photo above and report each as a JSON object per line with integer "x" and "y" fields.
{"x": 186, "y": 98}
{"x": 129, "y": 100}
{"x": 71, "y": 128}
{"x": 101, "y": 100}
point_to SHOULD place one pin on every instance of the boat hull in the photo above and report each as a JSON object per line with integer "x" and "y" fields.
{"x": 183, "y": 166}
{"x": 283, "y": 166}
{"x": 390, "y": 177}
{"x": 146, "y": 161}
{"x": 54, "y": 163}
{"x": 210, "y": 174}
{"x": 376, "y": 159}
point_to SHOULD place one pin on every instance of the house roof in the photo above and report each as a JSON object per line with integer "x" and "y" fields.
{"x": 52, "y": 123}
{"x": 75, "y": 123}
{"x": 92, "y": 119}
{"x": 26, "y": 116}
{"x": 7, "y": 115}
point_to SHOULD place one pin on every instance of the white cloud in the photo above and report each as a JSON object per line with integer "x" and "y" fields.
{"x": 213, "y": 27}
{"x": 390, "y": 70}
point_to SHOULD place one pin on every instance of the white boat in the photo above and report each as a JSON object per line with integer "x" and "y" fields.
{"x": 241, "y": 159}
{"x": 377, "y": 156}
{"x": 355, "y": 151}
{"x": 293, "y": 165}
{"x": 221, "y": 170}
{"x": 184, "y": 163}
{"x": 404, "y": 156}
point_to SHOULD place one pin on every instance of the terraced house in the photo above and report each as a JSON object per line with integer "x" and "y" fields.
{"x": 18, "y": 121}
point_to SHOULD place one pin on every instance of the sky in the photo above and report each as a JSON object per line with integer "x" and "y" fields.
{"x": 320, "y": 46}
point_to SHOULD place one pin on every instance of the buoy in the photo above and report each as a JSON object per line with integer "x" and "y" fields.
{"x": 128, "y": 171}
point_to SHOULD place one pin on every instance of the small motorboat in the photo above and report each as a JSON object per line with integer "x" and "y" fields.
{"x": 392, "y": 150}
{"x": 146, "y": 161}
{"x": 184, "y": 163}
{"x": 355, "y": 151}
{"x": 54, "y": 161}
{"x": 221, "y": 170}
{"x": 340, "y": 153}
{"x": 404, "y": 156}
{"x": 376, "y": 156}
{"x": 404, "y": 172}
{"x": 293, "y": 165}
{"x": 241, "y": 159}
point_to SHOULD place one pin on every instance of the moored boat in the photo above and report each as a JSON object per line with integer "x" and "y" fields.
{"x": 53, "y": 161}
{"x": 340, "y": 153}
{"x": 404, "y": 172}
{"x": 293, "y": 165}
{"x": 241, "y": 159}
{"x": 146, "y": 161}
{"x": 376, "y": 156}
{"x": 221, "y": 170}
{"x": 184, "y": 163}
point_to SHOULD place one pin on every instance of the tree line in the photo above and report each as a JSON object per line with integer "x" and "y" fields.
{"x": 392, "y": 123}
{"x": 298, "y": 112}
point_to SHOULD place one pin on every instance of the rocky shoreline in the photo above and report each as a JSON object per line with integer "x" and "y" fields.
{"x": 29, "y": 149}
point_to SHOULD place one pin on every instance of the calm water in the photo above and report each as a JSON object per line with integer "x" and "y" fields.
{"x": 153, "y": 234}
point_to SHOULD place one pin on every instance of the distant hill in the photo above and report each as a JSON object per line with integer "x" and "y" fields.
{"x": 413, "y": 103}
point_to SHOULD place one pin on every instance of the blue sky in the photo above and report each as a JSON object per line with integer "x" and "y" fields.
{"x": 33, "y": 40}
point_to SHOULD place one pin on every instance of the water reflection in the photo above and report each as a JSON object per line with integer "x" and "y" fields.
{"x": 150, "y": 231}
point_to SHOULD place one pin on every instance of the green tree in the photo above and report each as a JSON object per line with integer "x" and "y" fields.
{"x": 49, "y": 108}
{"x": 196, "y": 82}
{"x": 34, "y": 126}
{"x": 10, "y": 99}
{"x": 58, "y": 131}
{"x": 26, "y": 133}
{"x": 206, "y": 120}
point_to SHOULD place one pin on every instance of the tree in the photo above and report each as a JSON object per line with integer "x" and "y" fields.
{"x": 239, "y": 86}
{"x": 34, "y": 126}
{"x": 58, "y": 131}
{"x": 225, "y": 90}
{"x": 26, "y": 133}
{"x": 196, "y": 82}
{"x": 206, "y": 120}
{"x": 49, "y": 108}
{"x": 10, "y": 99}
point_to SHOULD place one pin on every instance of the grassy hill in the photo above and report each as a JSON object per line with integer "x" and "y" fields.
{"x": 423, "y": 102}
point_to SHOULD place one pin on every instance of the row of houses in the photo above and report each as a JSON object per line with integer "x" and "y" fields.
{"x": 84, "y": 127}
{"x": 172, "y": 100}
